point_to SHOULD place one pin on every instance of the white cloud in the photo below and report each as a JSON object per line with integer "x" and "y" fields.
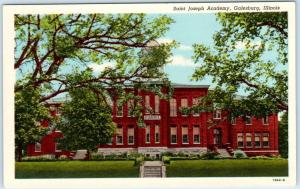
{"x": 179, "y": 60}
{"x": 185, "y": 47}
{"x": 100, "y": 67}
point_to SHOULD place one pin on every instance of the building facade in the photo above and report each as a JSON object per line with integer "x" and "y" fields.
{"x": 167, "y": 129}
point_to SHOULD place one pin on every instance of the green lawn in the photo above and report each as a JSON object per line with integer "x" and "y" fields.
{"x": 227, "y": 168}
{"x": 76, "y": 169}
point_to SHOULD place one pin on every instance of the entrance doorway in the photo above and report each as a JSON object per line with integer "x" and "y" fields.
{"x": 218, "y": 137}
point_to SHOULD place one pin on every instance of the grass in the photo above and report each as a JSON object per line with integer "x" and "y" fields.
{"x": 227, "y": 168}
{"x": 77, "y": 169}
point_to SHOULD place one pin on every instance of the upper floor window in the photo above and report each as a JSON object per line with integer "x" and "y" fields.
{"x": 130, "y": 135}
{"x": 173, "y": 136}
{"x": 157, "y": 134}
{"x": 233, "y": 121}
{"x": 185, "y": 134}
{"x": 148, "y": 134}
{"x": 184, "y": 104}
{"x": 37, "y": 147}
{"x": 265, "y": 140}
{"x": 147, "y": 104}
{"x": 119, "y": 135}
{"x": 265, "y": 120}
{"x": 173, "y": 107}
{"x": 156, "y": 100}
{"x": 196, "y": 102}
{"x": 119, "y": 109}
{"x": 240, "y": 140}
{"x": 130, "y": 108}
{"x": 217, "y": 114}
{"x": 248, "y": 120}
{"x": 196, "y": 134}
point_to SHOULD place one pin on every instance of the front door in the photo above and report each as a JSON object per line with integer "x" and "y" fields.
{"x": 217, "y": 137}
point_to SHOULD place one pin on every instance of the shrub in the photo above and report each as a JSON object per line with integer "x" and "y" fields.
{"x": 209, "y": 155}
{"x": 138, "y": 161}
{"x": 97, "y": 157}
{"x": 134, "y": 155}
{"x": 166, "y": 159}
{"x": 45, "y": 157}
{"x": 238, "y": 154}
{"x": 63, "y": 158}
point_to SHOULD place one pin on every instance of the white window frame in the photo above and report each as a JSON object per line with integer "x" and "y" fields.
{"x": 196, "y": 102}
{"x": 171, "y": 142}
{"x": 147, "y": 134}
{"x": 157, "y": 134}
{"x": 217, "y": 114}
{"x": 35, "y": 147}
{"x": 257, "y": 135}
{"x": 121, "y": 111}
{"x": 132, "y": 135}
{"x": 249, "y": 135}
{"x": 173, "y": 107}
{"x": 130, "y": 106}
{"x": 187, "y": 134}
{"x": 147, "y": 104}
{"x": 119, "y": 135}
{"x": 263, "y": 139}
{"x": 182, "y": 105}
{"x": 266, "y": 118}
{"x": 240, "y": 135}
{"x": 196, "y": 126}
{"x": 156, "y": 104}
{"x": 250, "y": 118}
{"x": 55, "y": 147}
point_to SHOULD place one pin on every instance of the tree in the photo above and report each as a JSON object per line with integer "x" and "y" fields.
{"x": 29, "y": 113}
{"x": 283, "y": 136}
{"x": 86, "y": 121}
{"x": 50, "y": 49}
{"x": 249, "y": 57}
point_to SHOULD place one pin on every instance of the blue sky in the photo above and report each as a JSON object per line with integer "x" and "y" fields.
{"x": 189, "y": 29}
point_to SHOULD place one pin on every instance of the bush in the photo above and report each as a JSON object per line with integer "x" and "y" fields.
{"x": 134, "y": 155}
{"x": 97, "y": 157}
{"x": 63, "y": 158}
{"x": 238, "y": 154}
{"x": 167, "y": 154}
{"x": 45, "y": 157}
{"x": 166, "y": 159}
{"x": 138, "y": 161}
{"x": 209, "y": 155}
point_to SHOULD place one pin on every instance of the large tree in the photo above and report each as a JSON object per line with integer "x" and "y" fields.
{"x": 29, "y": 113}
{"x": 86, "y": 121}
{"x": 248, "y": 58}
{"x": 283, "y": 136}
{"x": 49, "y": 48}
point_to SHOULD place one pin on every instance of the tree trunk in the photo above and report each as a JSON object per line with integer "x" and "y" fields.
{"x": 88, "y": 155}
{"x": 19, "y": 152}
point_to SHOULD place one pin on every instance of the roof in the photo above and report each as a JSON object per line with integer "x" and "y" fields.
{"x": 178, "y": 85}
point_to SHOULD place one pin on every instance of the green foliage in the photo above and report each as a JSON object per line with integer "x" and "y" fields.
{"x": 166, "y": 159}
{"x": 238, "y": 154}
{"x": 29, "y": 113}
{"x": 86, "y": 121}
{"x": 209, "y": 155}
{"x": 249, "y": 55}
{"x": 138, "y": 161}
{"x": 283, "y": 136}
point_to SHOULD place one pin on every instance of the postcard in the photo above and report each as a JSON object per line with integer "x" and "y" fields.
{"x": 149, "y": 95}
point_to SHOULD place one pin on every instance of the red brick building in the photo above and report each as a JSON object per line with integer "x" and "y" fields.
{"x": 167, "y": 129}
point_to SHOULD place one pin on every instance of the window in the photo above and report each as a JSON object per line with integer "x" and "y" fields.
{"x": 266, "y": 120}
{"x": 196, "y": 112}
{"x": 148, "y": 134}
{"x": 173, "y": 135}
{"x": 156, "y": 100}
{"x": 147, "y": 104}
{"x": 248, "y": 140}
{"x": 130, "y": 135}
{"x": 173, "y": 107}
{"x": 130, "y": 108}
{"x": 119, "y": 135}
{"x": 265, "y": 140}
{"x": 57, "y": 147}
{"x": 185, "y": 134}
{"x": 257, "y": 140}
{"x": 119, "y": 109}
{"x": 184, "y": 104}
{"x": 217, "y": 114}
{"x": 38, "y": 147}
{"x": 240, "y": 140}
{"x": 157, "y": 134}
{"x": 248, "y": 120}
{"x": 233, "y": 121}
{"x": 196, "y": 134}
